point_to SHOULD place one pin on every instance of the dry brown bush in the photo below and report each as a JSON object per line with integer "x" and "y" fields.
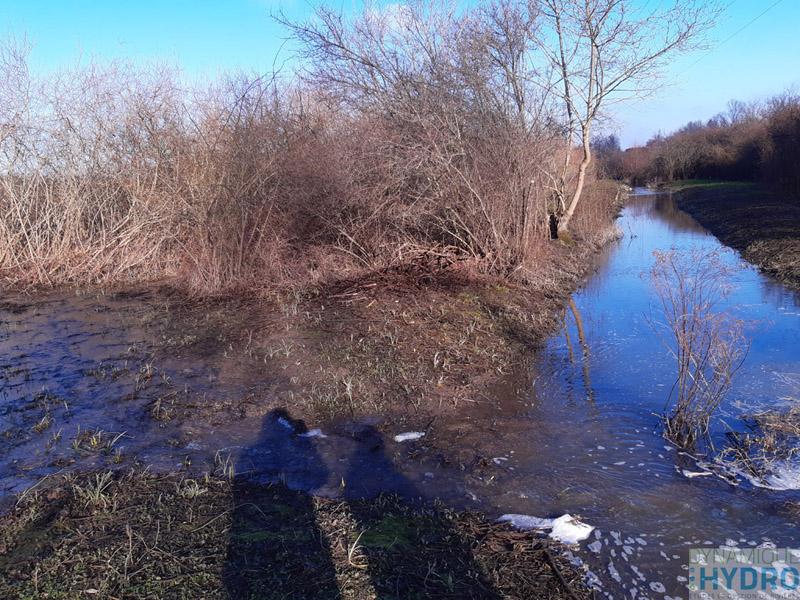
{"x": 416, "y": 132}
{"x": 750, "y": 142}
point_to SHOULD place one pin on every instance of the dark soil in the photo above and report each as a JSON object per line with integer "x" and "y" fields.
{"x": 763, "y": 225}
{"x": 144, "y": 536}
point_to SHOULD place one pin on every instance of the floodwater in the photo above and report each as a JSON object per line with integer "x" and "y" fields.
{"x": 577, "y": 433}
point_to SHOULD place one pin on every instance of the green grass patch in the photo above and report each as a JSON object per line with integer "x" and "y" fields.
{"x": 686, "y": 184}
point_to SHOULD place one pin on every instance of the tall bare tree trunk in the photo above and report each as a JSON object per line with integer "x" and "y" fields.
{"x": 563, "y": 222}
{"x": 592, "y": 105}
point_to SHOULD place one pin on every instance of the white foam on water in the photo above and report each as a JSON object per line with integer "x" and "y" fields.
{"x": 784, "y": 475}
{"x": 526, "y": 521}
{"x": 313, "y": 433}
{"x": 566, "y": 528}
{"x": 658, "y": 587}
{"x": 693, "y": 474}
{"x": 570, "y": 530}
{"x": 409, "y": 436}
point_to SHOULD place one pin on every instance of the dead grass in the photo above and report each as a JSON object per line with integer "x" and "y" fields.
{"x": 763, "y": 225}
{"x": 406, "y": 344}
{"x": 142, "y": 536}
{"x": 774, "y": 437}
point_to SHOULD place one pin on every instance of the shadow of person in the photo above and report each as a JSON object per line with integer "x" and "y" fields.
{"x": 275, "y": 548}
{"x": 408, "y": 550}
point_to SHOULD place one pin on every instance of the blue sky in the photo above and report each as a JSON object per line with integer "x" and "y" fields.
{"x": 205, "y": 37}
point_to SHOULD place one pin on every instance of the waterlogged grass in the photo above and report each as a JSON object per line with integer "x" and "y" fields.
{"x": 143, "y": 536}
{"x": 381, "y": 343}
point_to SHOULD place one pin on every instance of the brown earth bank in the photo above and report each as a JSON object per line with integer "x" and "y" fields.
{"x": 138, "y": 535}
{"x": 762, "y": 224}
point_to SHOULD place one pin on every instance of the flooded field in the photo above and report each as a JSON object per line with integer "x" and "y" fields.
{"x": 120, "y": 380}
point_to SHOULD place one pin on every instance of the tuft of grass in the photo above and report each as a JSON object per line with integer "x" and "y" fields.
{"x": 95, "y": 440}
{"x": 43, "y": 424}
{"x": 190, "y": 489}
{"x": 95, "y": 492}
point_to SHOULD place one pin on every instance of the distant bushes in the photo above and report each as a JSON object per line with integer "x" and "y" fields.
{"x": 409, "y": 134}
{"x": 750, "y": 142}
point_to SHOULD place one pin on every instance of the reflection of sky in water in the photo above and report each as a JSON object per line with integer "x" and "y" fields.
{"x": 603, "y": 456}
{"x": 618, "y": 304}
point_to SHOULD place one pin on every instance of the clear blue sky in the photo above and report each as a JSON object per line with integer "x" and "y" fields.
{"x": 205, "y": 37}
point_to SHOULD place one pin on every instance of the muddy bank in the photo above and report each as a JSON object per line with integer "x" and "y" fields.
{"x": 143, "y": 536}
{"x": 242, "y": 406}
{"x": 156, "y": 377}
{"x": 762, "y": 224}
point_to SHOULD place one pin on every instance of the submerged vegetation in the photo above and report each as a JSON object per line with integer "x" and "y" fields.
{"x": 770, "y": 443}
{"x": 707, "y": 344}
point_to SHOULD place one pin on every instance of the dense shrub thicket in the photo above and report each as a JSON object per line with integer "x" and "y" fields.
{"x": 749, "y": 142}
{"x": 409, "y": 133}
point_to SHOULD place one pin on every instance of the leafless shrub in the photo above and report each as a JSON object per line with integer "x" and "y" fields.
{"x": 455, "y": 141}
{"x": 83, "y": 163}
{"x": 708, "y": 346}
{"x": 418, "y": 131}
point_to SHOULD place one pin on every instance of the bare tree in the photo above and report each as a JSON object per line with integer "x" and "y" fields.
{"x": 463, "y": 130}
{"x": 602, "y": 51}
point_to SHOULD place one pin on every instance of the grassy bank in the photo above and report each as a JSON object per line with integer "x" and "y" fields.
{"x": 144, "y": 536}
{"x": 762, "y": 224}
{"x": 400, "y": 343}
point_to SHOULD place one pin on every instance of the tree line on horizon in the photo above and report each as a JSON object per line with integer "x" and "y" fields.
{"x": 755, "y": 141}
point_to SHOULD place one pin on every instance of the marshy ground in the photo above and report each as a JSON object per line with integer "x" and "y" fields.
{"x": 148, "y": 536}
{"x": 144, "y": 455}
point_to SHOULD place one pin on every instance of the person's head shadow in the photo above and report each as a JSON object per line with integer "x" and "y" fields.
{"x": 408, "y": 549}
{"x": 275, "y": 547}
{"x": 284, "y": 453}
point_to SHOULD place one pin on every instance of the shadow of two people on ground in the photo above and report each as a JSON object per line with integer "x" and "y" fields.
{"x": 285, "y": 543}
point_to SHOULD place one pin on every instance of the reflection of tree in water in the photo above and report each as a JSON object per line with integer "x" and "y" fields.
{"x": 587, "y": 379}
{"x": 286, "y": 544}
{"x": 663, "y": 207}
